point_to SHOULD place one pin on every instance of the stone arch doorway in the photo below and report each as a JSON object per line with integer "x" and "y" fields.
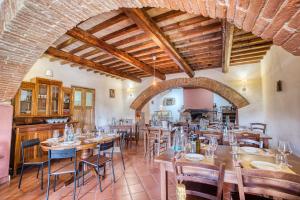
{"x": 200, "y": 82}
{"x": 28, "y": 28}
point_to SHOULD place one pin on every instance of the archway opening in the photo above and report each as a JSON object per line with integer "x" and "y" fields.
{"x": 233, "y": 98}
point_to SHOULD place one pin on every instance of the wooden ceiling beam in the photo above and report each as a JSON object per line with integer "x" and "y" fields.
{"x": 250, "y": 43}
{"x": 149, "y": 26}
{"x": 249, "y": 55}
{"x": 252, "y": 48}
{"x": 249, "y": 52}
{"x": 245, "y": 62}
{"x": 247, "y": 58}
{"x": 86, "y": 37}
{"x": 228, "y": 30}
{"x": 82, "y": 61}
{"x": 95, "y": 29}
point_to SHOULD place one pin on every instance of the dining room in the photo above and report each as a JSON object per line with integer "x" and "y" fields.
{"x": 149, "y": 100}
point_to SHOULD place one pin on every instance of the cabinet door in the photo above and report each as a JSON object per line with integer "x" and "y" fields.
{"x": 26, "y": 101}
{"x": 67, "y": 101}
{"x": 54, "y": 101}
{"x": 42, "y": 99}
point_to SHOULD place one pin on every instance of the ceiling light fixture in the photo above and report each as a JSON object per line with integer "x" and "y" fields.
{"x": 154, "y": 80}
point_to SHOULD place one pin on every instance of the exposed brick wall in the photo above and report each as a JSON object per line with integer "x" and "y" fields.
{"x": 29, "y": 27}
{"x": 206, "y": 83}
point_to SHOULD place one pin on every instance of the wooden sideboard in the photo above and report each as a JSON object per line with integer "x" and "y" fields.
{"x": 27, "y": 132}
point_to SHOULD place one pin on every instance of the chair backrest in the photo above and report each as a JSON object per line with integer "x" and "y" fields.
{"x": 61, "y": 154}
{"x": 106, "y": 145}
{"x": 200, "y": 173}
{"x": 27, "y": 144}
{"x": 270, "y": 183}
{"x": 261, "y": 127}
{"x": 248, "y": 139}
{"x": 219, "y": 136}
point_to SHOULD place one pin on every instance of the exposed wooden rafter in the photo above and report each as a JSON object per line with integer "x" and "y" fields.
{"x": 86, "y": 37}
{"x": 141, "y": 18}
{"x": 90, "y": 64}
{"x": 227, "y": 45}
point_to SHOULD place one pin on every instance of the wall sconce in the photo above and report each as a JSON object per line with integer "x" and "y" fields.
{"x": 130, "y": 91}
{"x": 244, "y": 84}
{"x": 49, "y": 73}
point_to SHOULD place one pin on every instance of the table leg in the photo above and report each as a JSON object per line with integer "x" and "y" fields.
{"x": 163, "y": 182}
{"x": 266, "y": 143}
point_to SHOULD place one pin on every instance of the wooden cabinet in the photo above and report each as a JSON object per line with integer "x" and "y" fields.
{"x": 67, "y": 101}
{"x": 25, "y": 101}
{"x": 48, "y": 97}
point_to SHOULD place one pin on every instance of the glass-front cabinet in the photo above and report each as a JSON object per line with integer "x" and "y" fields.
{"x": 44, "y": 98}
{"x": 67, "y": 98}
{"x": 48, "y": 97}
{"x": 24, "y": 101}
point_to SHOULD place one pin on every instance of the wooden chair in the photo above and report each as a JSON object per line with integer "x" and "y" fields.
{"x": 249, "y": 139}
{"x": 99, "y": 161}
{"x": 70, "y": 168}
{"x": 40, "y": 161}
{"x": 217, "y": 135}
{"x": 260, "y": 127}
{"x": 155, "y": 137}
{"x": 260, "y": 184}
{"x": 200, "y": 179}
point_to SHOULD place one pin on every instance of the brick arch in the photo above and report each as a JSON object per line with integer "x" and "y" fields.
{"x": 200, "y": 82}
{"x": 29, "y": 27}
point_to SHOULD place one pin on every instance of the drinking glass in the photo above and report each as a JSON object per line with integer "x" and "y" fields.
{"x": 285, "y": 148}
{"x": 55, "y": 134}
{"x": 213, "y": 143}
{"x": 232, "y": 139}
{"x": 209, "y": 152}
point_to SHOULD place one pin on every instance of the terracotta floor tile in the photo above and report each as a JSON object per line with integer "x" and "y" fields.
{"x": 136, "y": 188}
{"x": 140, "y": 196}
{"x": 140, "y": 181}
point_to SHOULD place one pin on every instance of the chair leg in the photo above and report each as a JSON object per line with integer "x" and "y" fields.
{"x": 21, "y": 176}
{"x": 74, "y": 194}
{"x": 99, "y": 178}
{"x": 54, "y": 185}
{"x": 121, "y": 151}
{"x": 37, "y": 175}
{"x": 48, "y": 186}
{"x": 113, "y": 171}
{"x": 42, "y": 176}
{"x": 83, "y": 165}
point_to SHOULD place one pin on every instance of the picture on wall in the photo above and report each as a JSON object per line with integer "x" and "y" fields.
{"x": 112, "y": 93}
{"x": 169, "y": 101}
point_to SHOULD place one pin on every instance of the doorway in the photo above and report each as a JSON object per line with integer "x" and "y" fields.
{"x": 84, "y": 107}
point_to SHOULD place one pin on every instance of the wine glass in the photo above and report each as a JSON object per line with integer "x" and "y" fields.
{"x": 213, "y": 143}
{"x": 285, "y": 148}
{"x": 232, "y": 139}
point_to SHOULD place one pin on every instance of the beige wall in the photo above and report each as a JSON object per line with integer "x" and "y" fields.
{"x": 282, "y": 109}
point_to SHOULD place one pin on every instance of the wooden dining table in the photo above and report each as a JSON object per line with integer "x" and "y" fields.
{"x": 223, "y": 154}
{"x": 83, "y": 144}
{"x": 264, "y": 138}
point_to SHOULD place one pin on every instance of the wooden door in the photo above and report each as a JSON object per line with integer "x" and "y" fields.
{"x": 84, "y": 107}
